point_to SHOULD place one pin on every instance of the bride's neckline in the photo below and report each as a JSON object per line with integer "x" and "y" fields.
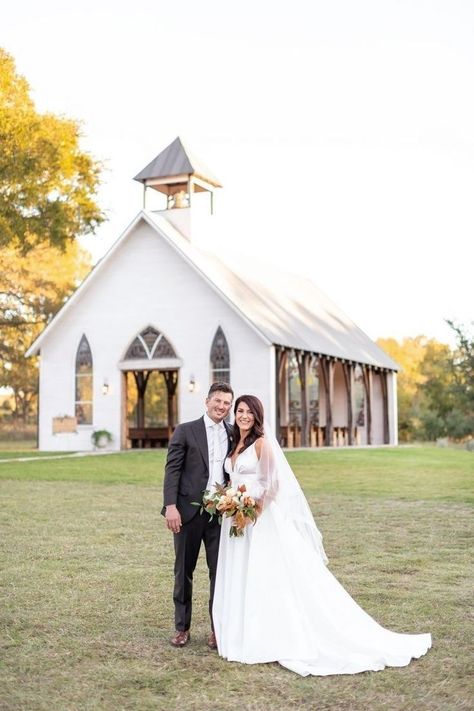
{"x": 234, "y": 461}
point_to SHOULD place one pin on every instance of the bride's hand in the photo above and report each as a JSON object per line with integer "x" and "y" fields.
{"x": 259, "y": 503}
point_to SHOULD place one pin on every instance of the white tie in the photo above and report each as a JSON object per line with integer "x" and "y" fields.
{"x": 217, "y": 453}
{"x": 216, "y": 456}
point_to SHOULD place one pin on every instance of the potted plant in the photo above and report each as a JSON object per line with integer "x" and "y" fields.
{"x": 101, "y": 438}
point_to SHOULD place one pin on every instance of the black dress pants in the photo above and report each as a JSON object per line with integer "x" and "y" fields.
{"x": 187, "y": 544}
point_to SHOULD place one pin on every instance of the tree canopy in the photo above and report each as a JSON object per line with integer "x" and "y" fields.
{"x": 31, "y": 291}
{"x": 47, "y": 200}
{"x": 435, "y": 386}
{"x": 47, "y": 183}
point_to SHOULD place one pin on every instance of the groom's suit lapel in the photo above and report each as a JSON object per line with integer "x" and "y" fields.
{"x": 230, "y": 439}
{"x": 199, "y": 431}
{"x": 229, "y": 430}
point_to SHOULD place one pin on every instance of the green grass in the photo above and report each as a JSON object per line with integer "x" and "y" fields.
{"x": 407, "y": 473}
{"x": 86, "y": 585}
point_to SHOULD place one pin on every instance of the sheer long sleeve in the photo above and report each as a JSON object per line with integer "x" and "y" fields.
{"x": 280, "y": 485}
{"x": 266, "y": 474}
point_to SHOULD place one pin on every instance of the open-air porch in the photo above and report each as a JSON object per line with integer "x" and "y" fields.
{"x": 327, "y": 401}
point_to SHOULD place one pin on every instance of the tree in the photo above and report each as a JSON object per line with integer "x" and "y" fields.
{"x": 409, "y": 354}
{"x": 460, "y": 420}
{"x": 464, "y": 362}
{"x": 31, "y": 290}
{"x": 435, "y": 386}
{"x": 436, "y": 399}
{"x": 47, "y": 184}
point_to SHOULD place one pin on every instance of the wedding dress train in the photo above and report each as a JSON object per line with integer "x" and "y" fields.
{"x": 275, "y": 599}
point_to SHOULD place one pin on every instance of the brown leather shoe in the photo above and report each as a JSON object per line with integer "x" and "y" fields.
{"x": 211, "y": 641}
{"x": 180, "y": 638}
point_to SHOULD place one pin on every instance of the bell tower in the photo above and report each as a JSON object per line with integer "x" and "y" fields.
{"x": 178, "y": 174}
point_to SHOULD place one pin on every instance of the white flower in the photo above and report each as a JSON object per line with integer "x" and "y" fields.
{"x": 231, "y": 492}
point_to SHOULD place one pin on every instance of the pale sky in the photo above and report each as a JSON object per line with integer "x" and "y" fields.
{"x": 342, "y": 131}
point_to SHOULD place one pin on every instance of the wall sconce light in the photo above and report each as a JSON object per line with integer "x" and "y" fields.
{"x": 192, "y": 384}
{"x": 105, "y": 388}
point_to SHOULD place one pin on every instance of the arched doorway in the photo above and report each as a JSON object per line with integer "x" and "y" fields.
{"x": 150, "y": 373}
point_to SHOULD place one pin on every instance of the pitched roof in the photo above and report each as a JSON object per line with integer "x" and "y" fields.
{"x": 176, "y": 159}
{"x": 282, "y": 308}
{"x": 287, "y": 309}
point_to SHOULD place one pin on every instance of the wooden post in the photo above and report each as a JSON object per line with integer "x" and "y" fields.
{"x": 141, "y": 380}
{"x": 281, "y": 388}
{"x": 278, "y": 360}
{"x": 324, "y": 382}
{"x": 367, "y": 376}
{"x": 302, "y": 359}
{"x": 386, "y": 430}
{"x": 347, "y": 369}
{"x": 331, "y": 368}
{"x": 327, "y": 371}
{"x": 124, "y": 422}
{"x": 171, "y": 381}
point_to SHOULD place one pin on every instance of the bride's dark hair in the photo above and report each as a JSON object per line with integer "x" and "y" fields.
{"x": 256, "y": 408}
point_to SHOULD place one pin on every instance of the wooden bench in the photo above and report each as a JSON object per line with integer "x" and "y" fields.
{"x": 149, "y": 437}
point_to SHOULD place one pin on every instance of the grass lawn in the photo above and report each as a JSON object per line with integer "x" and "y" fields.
{"x": 86, "y": 584}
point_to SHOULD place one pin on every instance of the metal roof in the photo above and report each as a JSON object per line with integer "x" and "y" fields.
{"x": 287, "y": 309}
{"x": 283, "y": 309}
{"x": 176, "y": 159}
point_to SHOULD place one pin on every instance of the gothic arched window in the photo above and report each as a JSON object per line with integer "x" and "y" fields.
{"x": 220, "y": 358}
{"x": 84, "y": 379}
{"x": 150, "y": 344}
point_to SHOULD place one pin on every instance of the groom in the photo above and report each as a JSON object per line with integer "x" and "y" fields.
{"x": 195, "y": 462}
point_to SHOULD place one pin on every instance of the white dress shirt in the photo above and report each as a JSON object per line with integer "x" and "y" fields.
{"x": 217, "y": 445}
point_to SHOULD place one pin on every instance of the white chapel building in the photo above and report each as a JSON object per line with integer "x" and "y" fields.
{"x": 134, "y": 349}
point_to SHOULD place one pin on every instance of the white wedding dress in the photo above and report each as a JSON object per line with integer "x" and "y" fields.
{"x": 275, "y": 599}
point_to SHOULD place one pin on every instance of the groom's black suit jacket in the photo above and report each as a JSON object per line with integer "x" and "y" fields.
{"x": 187, "y": 467}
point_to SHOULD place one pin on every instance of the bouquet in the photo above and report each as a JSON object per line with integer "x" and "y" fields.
{"x": 229, "y": 501}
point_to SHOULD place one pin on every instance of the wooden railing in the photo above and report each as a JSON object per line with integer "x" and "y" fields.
{"x": 290, "y": 436}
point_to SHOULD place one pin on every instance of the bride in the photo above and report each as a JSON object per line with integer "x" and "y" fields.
{"x": 274, "y": 599}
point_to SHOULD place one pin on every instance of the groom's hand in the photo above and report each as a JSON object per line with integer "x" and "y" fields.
{"x": 173, "y": 518}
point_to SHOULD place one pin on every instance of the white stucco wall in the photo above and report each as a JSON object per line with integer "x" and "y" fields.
{"x": 145, "y": 282}
{"x": 392, "y": 407}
